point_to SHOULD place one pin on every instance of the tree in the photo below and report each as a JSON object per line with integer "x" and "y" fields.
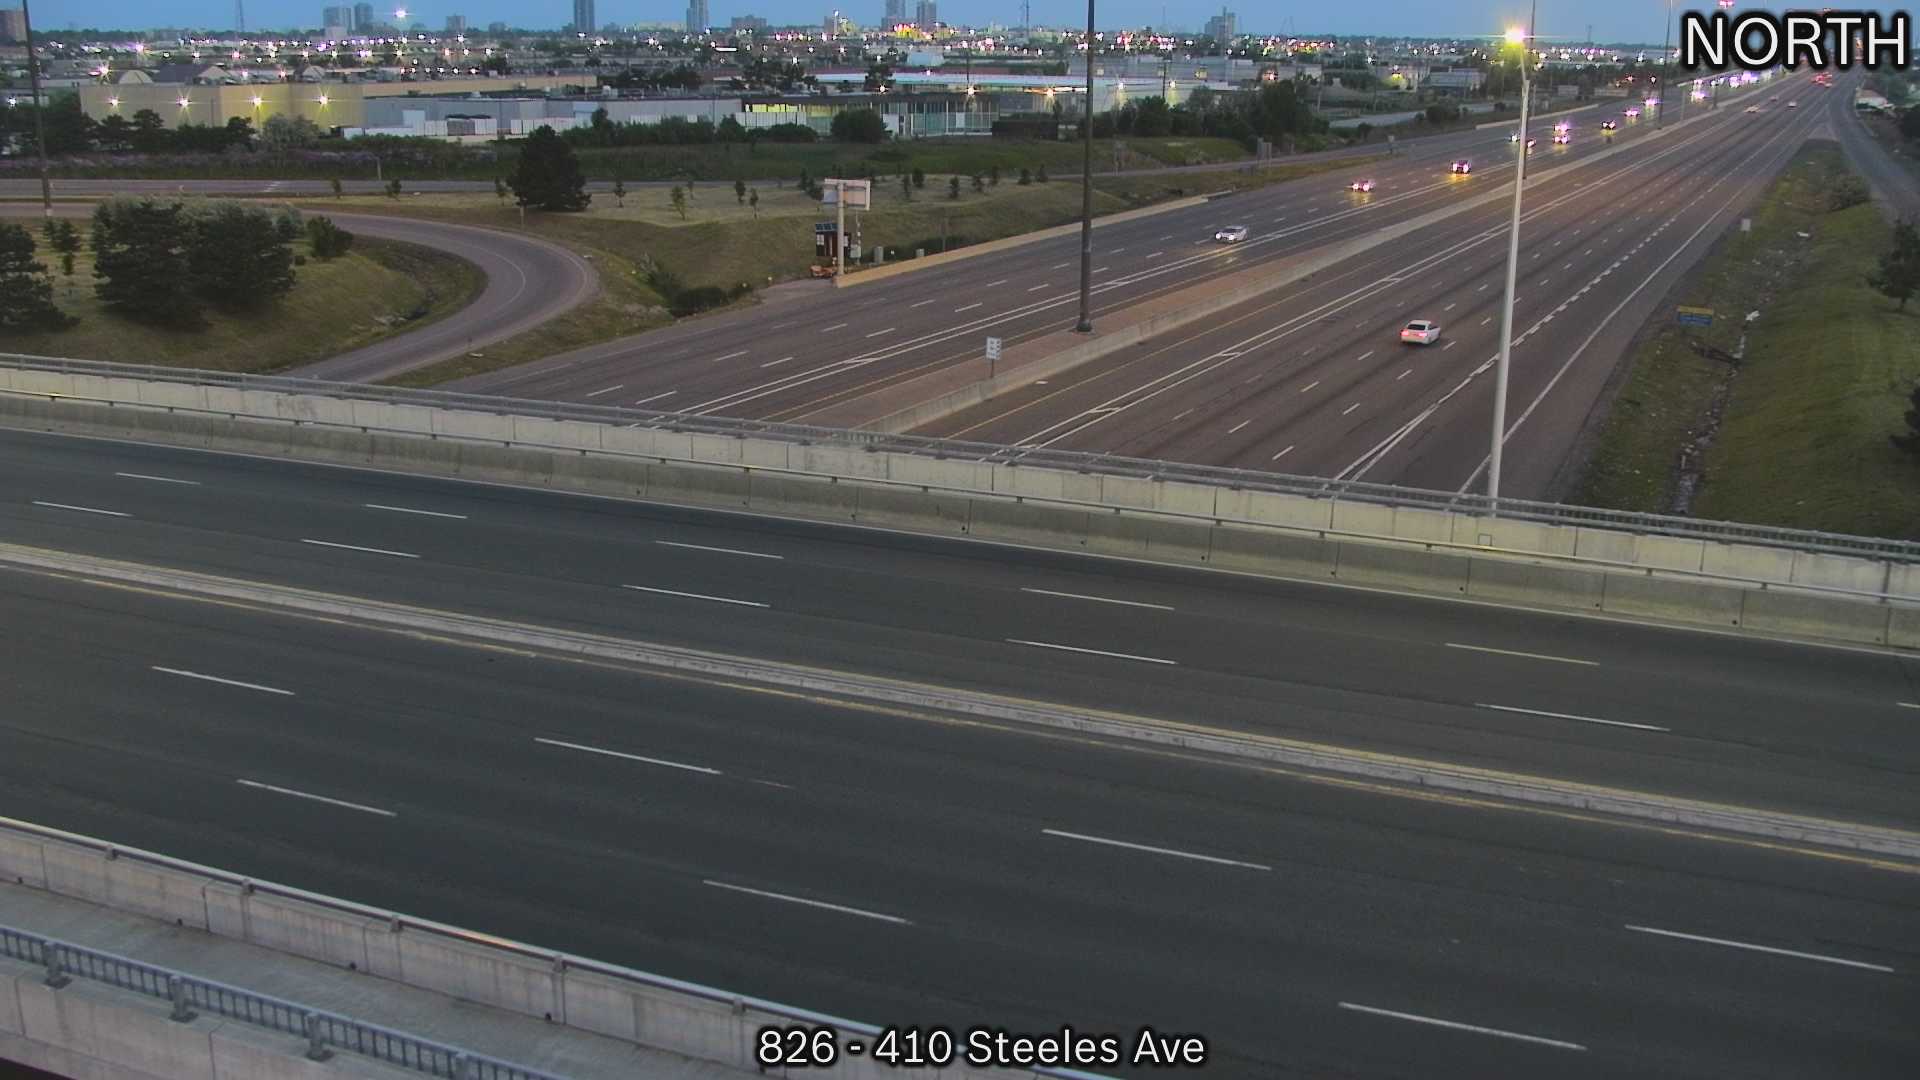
{"x": 393, "y": 188}
{"x": 1026, "y": 176}
{"x": 953, "y": 187}
{"x": 500, "y": 188}
{"x": 919, "y": 177}
{"x": 63, "y": 236}
{"x": 1910, "y": 442}
{"x": 26, "y": 294}
{"x": 906, "y": 186}
{"x": 239, "y": 132}
{"x": 1848, "y": 190}
{"x": 239, "y": 257}
{"x": 335, "y": 185}
{"x": 679, "y": 197}
{"x": 619, "y": 192}
{"x": 1153, "y": 118}
{"x": 140, "y": 255}
{"x": 979, "y": 186}
{"x": 1363, "y": 129}
{"x": 730, "y": 131}
{"x": 1899, "y": 274}
{"x": 1041, "y": 175}
{"x": 860, "y": 125}
{"x": 328, "y": 241}
{"x": 281, "y": 134}
{"x": 115, "y": 134}
{"x": 753, "y": 200}
{"x": 149, "y": 133}
{"x": 740, "y": 191}
{"x": 993, "y": 175}
{"x": 547, "y": 176}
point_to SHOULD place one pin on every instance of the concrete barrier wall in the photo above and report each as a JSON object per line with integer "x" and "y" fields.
{"x": 124, "y": 1035}
{"x": 1404, "y": 549}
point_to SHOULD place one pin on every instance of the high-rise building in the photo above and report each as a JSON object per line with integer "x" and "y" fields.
{"x": 896, "y": 13}
{"x": 340, "y": 15}
{"x": 456, "y": 24}
{"x": 13, "y": 26}
{"x": 697, "y": 21}
{"x": 1222, "y": 28}
{"x": 583, "y": 22}
{"x": 925, "y": 14}
{"x": 747, "y": 24}
{"x": 362, "y": 18}
{"x": 496, "y": 27}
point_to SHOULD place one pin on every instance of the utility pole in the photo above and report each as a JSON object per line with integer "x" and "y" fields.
{"x": 39, "y": 112}
{"x": 1513, "y": 266}
{"x": 1666, "y": 59}
{"x": 1085, "y": 326}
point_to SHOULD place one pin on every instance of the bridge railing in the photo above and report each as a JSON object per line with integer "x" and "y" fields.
{"x": 1893, "y": 550}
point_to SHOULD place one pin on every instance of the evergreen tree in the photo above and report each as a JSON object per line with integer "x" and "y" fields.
{"x": 1899, "y": 274}
{"x": 1910, "y": 442}
{"x": 239, "y": 257}
{"x": 329, "y": 241}
{"x": 548, "y": 176}
{"x": 740, "y": 191}
{"x": 26, "y": 294}
{"x": 140, "y": 256}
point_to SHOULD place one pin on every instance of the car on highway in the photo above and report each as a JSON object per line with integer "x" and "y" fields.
{"x": 1232, "y": 234}
{"x": 1562, "y": 138}
{"x": 1753, "y": 108}
{"x": 1360, "y": 185}
{"x": 1633, "y": 114}
{"x": 1420, "y": 332}
{"x": 1463, "y": 167}
{"x": 1609, "y": 125}
{"x": 1793, "y": 104}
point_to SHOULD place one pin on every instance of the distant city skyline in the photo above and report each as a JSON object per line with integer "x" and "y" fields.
{"x": 1560, "y": 20}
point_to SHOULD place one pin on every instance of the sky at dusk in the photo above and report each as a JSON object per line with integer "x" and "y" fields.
{"x": 1568, "y": 20}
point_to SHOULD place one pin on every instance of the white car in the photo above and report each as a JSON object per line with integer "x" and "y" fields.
{"x": 1420, "y": 332}
{"x": 1232, "y": 234}
{"x": 1360, "y": 185}
{"x": 1793, "y": 104}
{"x": 1562, "y": 138}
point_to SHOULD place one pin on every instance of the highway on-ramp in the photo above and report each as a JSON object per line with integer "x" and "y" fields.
{"x": 528, "y": 282}
{"x": 913, "y": 868}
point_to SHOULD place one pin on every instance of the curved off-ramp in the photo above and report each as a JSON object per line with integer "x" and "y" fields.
{"x": 529, "y": 281}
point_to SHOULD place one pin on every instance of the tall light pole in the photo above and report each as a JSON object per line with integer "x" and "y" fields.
{"x": 1085, "y": 325}
{"x": 1524, "y": 38}
{"x": 39, "y": 111}
{"x": 1666, "y": 59}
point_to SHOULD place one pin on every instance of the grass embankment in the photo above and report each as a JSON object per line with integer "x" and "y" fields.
{"x": 1796, "y": 435}
{"x": 722, "y": 241}
{"x": 336, "y": 305}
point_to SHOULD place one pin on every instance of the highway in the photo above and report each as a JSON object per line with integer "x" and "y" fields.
{"x": 793, "y": 359}
{"x": 1314, "y": 381}
{"x": 528, "y": 282}
{"x": 901, "y": 868}
{"x": 1894, "y": 185}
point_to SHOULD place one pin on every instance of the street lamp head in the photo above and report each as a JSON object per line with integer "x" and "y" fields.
{"x": 1516, "y": 35}
{"x": 184, "y": 102}
{"x": 323, "y": 100}
{"x": 256, "y": 101}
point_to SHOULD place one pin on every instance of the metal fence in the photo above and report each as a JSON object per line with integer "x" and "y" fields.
{"x": 191, "y": 996}
{"x": 1906, "y": 551}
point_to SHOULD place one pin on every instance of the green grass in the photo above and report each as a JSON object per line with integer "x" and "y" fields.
{"x": 335, "y": 306}
{"x": 1802, "y": 441}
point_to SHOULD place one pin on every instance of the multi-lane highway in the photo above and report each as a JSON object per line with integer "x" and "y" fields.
{"x": 795, "y": 360}
{"x": 528, "y": 282}
{"x": 905, "y": 869}
{"x": 1315, "y": 381}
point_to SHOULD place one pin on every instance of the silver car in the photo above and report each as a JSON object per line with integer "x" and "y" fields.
{"x": 1232, "y": 234}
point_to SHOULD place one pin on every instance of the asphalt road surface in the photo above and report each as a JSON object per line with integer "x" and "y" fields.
{"x": 792, "y": 359}
{"x": 1314, "y": 380}
{"x": 1894, "y": 184}
{"x": 528, "y": 282}
{"x": 904, "y": 870}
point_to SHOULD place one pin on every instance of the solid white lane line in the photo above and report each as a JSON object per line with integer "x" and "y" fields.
{"x": 776, "y": 363}
{"x": 697, "y": 596}
{"x": 1527, "y": 655}
{"x": 356, "y": 547}
{"x": 1910, "y": 704}
{"x": 81, "y": 509}
{"x": 1154, "y": 850}
{"x": 1571, "y": 716}
{"x": 1482, "y": 288}
{"x": 1099, "y": 269}
{"x": 1097, "y": 599}
{"x": 277, "y": 790}
{"x": 608, "y": 390}
{"x": 1762, "y": 948}
{"x": 821, "y": 904}
{"x": 1310, "y": 386}
{"x": 158, "y": 479}
{"x": 656, "y": 397}
{"x": 969, "y": 307}
{"x": 877, "y": 333}
{"x": 923, "y": 303}
{"x": 1281, "y": 454}
{"x": 410, "y": 510}
{"x": 831, "y": 329}
{"x": 630, "y": 757}
{"x": 1486, "y": 320}
{"x": 1093, "y": 652}
{"x": 1349, "y": 408}
{"x": 991, "y": 284}
{"x": 1457, "y": 1026}
{"x": 721, "y": 550}
{"x": 729, "y": 356}
{"x": 1116, "y": 251}
{"x": 223, "y": 682}
{"x": 1238, "y": 426}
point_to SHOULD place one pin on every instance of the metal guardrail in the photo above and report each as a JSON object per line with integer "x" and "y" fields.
{"x": 191, "y": 995}
{"x": 1905, "y": 551}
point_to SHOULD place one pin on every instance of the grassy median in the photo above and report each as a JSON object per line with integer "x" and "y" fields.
{"x": 1796, "y": 433}
{"x": 382, "y": 288}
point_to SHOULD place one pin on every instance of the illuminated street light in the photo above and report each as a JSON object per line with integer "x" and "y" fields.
{"x": 1521, "y": 36}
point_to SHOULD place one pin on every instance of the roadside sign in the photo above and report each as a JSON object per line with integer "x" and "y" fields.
{"x": 1695, "y": 316}
{"x": 993, "y": 348}
{"x": 859, "y": 193}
